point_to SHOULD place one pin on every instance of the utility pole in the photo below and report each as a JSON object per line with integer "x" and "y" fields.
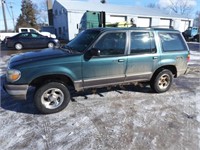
{"x": 4, "y": 15}
{"x": 50, "y": 11}
{"x": 13, "y": 18}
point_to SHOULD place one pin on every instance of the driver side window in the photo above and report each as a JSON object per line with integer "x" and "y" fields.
{"x": 112, "y": 44}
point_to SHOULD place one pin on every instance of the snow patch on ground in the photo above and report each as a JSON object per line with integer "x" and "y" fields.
{"x": 198, "y": 114}
{"x": 129, "y": 118}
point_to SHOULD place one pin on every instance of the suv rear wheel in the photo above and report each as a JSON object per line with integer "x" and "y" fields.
{"x": 52, "y": 97}
{"x": 162, "y": 81}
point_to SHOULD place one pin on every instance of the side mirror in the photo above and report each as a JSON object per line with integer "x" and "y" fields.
{"x": 95, "y": 52}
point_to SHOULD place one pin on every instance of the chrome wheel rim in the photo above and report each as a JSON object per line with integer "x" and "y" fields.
{"x": 164, "y": 81}
{"x": 50, "y": 45}
{"x": 18, "y": 46}
{"x": 52, "y": 98}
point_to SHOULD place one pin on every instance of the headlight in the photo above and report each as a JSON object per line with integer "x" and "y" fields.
{"x": 13, "y": 75}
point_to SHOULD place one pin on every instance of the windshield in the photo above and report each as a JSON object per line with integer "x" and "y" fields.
{"x": 83, "y": 40}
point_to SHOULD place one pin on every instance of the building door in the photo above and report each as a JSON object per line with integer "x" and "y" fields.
{"x": 184, "y": 25}
{"x": 165, "y": 23}
{"x": 143, "y": 22}
{"x": 114, "y": 19}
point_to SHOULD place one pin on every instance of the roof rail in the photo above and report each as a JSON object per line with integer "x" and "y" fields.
{"x": 170, "y": 27}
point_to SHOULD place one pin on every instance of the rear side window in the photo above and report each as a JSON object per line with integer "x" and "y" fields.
{"x": 172, "y": 42}
{"x": 142, "y": 42}
{"x": 23, "y": 35}
{"x": 33, "y": 35}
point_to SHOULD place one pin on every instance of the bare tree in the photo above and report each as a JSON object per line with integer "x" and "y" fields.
{"x": 197, "y": 19}
{"x": 183, "y": 7}
{"x": 41, "y": 12}
{"x": 153, "y": 5}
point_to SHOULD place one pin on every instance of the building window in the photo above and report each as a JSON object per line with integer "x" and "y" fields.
{"x": 56, "y": 32}
{"x": 56, "y": 12}
{"x": 59, "y": 30}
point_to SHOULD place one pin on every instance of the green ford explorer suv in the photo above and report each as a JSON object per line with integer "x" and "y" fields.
{"x": 97, "y": 58}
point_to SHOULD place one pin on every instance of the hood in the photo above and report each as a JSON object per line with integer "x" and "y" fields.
{"x": 37, "y": 55}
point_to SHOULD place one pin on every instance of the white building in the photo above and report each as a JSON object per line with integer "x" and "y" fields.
{"x": 67, "y": 16}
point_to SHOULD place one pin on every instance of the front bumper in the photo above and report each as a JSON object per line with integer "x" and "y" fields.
{"x": 17, "y": 91}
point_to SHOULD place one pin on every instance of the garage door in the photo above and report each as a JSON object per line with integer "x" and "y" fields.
{"x": 114, "y": 19}
{"x": 184, "y": 25}
{"x": 143, "y": 22}
{"x": 165, "y": 23}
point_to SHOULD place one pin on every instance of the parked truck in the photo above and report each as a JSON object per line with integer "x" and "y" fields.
{"x": 191, "y": 34}
{"x": 92, "y": 19}
{"x": 23, "y": 29}
{"x": 95, "y": 19}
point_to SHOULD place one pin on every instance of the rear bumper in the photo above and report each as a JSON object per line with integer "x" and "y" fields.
{"x": 17, "y": 91}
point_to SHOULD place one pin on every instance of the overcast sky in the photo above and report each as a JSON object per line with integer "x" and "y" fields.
{"x": 17, "y": 6}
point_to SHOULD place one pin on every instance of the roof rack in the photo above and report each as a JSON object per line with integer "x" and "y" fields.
{"x": 170, "y": 27}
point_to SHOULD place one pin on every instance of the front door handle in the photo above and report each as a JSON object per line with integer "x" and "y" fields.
{"x": 120, "y": 60}
{"x": 155, "y": 57}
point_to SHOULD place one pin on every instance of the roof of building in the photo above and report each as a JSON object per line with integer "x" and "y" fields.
{"x": 118, "y": 9}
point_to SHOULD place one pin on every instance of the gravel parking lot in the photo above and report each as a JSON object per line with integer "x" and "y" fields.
{"x": 124, "y": 118}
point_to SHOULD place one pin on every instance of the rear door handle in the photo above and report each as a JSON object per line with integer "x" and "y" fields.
{"x": 120, "y": 60}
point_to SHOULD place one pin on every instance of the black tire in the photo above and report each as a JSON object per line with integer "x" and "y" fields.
{"x": 50, "y": 45}
{"x": 18, "y": 46}
{"x": 51, "y": 97}
{"x": 162, "y": 81}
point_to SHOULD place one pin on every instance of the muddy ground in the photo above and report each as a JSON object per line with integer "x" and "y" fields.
{"x": 120, "y": 118}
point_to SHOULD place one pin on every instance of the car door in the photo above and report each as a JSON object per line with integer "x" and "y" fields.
{"x": 143, "y": 57}
{"x": 109, "y": 67}
{"x": 24, "y": 39}
{"x": 38, "y": 40}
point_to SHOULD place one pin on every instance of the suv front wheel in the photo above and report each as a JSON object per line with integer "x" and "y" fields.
{"x": 52, "y": 97}
{"x": 162, "y": 81}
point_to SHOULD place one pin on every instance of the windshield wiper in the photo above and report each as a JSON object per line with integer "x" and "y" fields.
{"x": 68, "y": 48}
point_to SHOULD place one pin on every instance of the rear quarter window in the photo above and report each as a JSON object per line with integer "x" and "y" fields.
{"x": 172, "y": 42}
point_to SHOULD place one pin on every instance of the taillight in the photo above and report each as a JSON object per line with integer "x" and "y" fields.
{"x": 188, "y": 57}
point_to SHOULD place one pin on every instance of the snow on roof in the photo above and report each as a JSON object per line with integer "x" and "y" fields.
{"x": 118, "y": 9}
